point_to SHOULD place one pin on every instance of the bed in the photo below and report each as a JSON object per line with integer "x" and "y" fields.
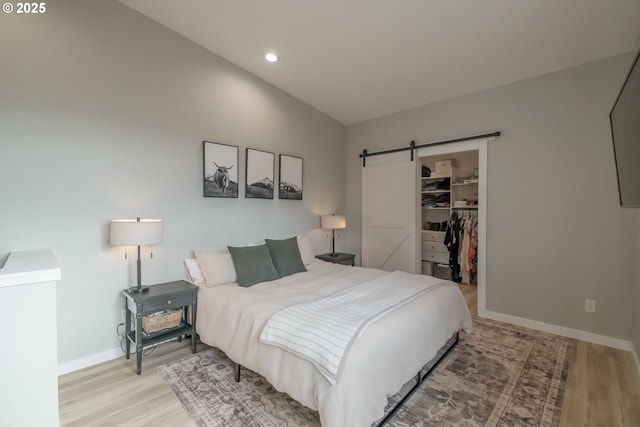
{"x": 387, "y": 354}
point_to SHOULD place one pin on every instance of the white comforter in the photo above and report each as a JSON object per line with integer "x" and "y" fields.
{"x": 385, "y": 356}
{"x": 322, "y": 331}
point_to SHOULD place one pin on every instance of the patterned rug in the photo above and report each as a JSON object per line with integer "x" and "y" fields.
{"x": 498, "y": 375}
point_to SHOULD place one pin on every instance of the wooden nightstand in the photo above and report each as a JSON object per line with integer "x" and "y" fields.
{"x": 339, "y": 258}
{"x": 165, "y": 296}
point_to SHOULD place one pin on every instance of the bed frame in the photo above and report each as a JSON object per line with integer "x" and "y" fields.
{"x": 451, "y": 343}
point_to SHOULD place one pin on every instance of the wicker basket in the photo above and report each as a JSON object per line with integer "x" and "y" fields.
{"x": 162, "y": 320}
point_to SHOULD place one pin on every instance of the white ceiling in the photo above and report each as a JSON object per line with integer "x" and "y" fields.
{"x": 359, "y": 59}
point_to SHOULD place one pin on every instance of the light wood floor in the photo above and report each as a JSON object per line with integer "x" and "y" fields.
{"x": 603, "y": 389}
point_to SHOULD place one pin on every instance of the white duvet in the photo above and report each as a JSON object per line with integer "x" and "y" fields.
{"x": 387, "y": 354}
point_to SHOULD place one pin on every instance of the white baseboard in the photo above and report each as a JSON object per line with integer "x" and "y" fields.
{"x": 105, "y": 356}
{"x": 561, "y": 330}
{"x": 93, "y": 359}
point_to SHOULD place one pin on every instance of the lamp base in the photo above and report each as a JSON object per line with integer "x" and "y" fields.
{"x": 136, "y": 290}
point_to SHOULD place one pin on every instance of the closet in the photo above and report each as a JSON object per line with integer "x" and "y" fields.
{"x": 448, "y": 186}
{"x": 393, "y": 217}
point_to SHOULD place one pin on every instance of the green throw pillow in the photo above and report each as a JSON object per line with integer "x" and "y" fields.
{"x": 253, "y": 264}
{"x": 286, "y": 256}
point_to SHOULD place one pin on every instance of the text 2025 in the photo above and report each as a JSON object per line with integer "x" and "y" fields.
{"x": 31, "y": 7}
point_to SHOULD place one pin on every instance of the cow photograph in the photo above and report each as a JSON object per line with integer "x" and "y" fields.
{"x": 220, "y": 170}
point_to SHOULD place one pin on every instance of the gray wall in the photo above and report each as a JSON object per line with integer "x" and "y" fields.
{"x": 102, "y": 116}
{"x": 556, "y": 234}
{"x": 635, "y": 320}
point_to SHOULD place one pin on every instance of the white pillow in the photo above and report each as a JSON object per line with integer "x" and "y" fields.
{"x": 217, "y": 267}
{"x": 194, "y": 274}
{"x": 306, "y": 251}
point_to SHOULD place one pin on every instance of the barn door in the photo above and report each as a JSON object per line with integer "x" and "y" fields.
{"x": 389, "y": 213}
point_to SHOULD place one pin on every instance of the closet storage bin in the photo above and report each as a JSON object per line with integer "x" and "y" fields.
{"x": 442, "y": 271}
{"x": 161, "y": 320}
{"x": 443, "y": 167}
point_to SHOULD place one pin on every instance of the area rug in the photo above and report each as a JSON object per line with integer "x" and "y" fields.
{"x": 497, "y": 375}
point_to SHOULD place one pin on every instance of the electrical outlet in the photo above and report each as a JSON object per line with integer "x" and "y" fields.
{"x": 589, "y": 306}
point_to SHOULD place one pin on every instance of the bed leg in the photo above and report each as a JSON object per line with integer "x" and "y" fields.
{"x": 237, "y": 372}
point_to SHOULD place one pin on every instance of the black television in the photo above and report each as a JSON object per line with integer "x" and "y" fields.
{"x": 625, "y": 131}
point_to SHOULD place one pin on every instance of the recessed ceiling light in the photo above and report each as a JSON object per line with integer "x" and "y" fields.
{"x": 271, "y": 57}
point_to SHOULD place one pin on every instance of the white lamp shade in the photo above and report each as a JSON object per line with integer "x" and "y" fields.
{"x": 333, "y": 222}
{"x": 131, "y": 232}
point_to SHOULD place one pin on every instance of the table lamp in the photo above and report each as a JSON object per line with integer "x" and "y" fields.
{"x": 333, "y": 222}
{"x": 137, "y": 232}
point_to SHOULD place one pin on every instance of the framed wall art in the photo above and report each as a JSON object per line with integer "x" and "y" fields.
{"x": 220, "y": 170}
{"x": 290, "y": 178}
{"x": 259, "y": 174}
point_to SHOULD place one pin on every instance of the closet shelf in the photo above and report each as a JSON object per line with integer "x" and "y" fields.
{"x": 460, "y": 186}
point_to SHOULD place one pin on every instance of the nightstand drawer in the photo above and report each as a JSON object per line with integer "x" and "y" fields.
{"x": 166, "y": 303}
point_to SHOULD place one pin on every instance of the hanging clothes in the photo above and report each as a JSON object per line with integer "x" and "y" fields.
{"x": 465, "y": 265}
{"x": 474, "y": 256}
{"x": 452, "y": 241}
